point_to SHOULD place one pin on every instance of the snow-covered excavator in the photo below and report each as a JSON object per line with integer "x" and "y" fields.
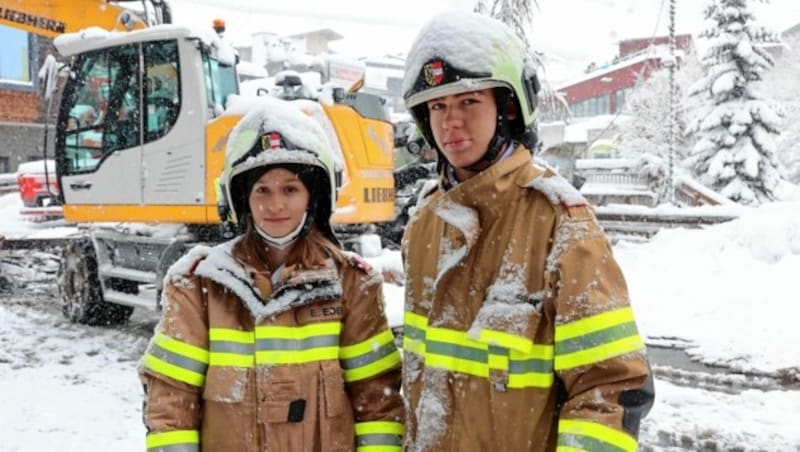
{"x": 143, "y": 121}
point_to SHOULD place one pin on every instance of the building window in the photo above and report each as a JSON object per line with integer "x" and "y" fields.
{"x": 16, "y": 49}
{"x": 5, "y": 165}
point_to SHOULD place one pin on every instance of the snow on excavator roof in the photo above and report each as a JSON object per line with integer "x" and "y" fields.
{"x": 94, "y": 38}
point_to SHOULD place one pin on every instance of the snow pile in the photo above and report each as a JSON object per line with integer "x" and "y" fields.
{"x": 729, "y": 291}
{"x": 10, "y": 204}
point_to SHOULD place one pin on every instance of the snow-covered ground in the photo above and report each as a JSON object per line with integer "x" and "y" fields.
{"x": 725, "y": 294}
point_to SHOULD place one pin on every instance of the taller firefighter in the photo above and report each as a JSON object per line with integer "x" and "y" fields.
{"x": 276, "y": 340}
{"x": 519, "y": 335}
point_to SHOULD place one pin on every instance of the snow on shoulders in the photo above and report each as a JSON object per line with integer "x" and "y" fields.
{"x": 183, "y": 267}
{"x": 460, "y": 217}
{"x": 558, "y": 190}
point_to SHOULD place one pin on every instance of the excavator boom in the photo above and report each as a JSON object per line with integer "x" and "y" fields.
{"x": 51, "y": 18}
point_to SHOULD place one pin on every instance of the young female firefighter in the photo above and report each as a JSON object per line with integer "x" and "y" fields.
{"x": 519, "y": 335}
{"x": 277, "y": 339}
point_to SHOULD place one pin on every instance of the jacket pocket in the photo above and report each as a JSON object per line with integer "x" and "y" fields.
{"x": 228, "y": 410}
{"x": 337, "y": 429}
{"x": 285, "y": 415}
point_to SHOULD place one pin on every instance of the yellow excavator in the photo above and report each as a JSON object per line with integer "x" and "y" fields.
{"x": 143, "y": 122}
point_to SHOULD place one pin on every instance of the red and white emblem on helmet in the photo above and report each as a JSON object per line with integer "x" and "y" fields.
{"x": 434, "y": 72}
{"x": 271, "y": 140}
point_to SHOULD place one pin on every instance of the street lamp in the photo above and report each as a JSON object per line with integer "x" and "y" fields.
{"x": 671, "y": 63}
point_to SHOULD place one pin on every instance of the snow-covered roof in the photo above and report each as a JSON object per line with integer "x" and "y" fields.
{"x": 94, "y": 38}
{"x": 249, "y": 69}
{"x": 578, "y": 130}
{"x": 36, "y": 167}
{"x": 660, "y": 53}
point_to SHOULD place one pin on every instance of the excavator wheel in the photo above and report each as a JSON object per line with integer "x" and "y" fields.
{"x": 80, "y": 289}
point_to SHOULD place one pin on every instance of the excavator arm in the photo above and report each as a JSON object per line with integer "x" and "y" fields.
{"x": 51, "y": 18}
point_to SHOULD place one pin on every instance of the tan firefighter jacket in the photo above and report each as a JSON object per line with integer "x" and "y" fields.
{"x": 241, "y": 362}
{"x": 518, "y": 331}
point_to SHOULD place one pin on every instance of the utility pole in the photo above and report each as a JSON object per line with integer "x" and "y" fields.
{"x": 673, "y": 103}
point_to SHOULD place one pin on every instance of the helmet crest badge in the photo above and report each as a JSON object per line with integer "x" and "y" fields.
{"x": 434, "y": 72}
{"x": 271, "y": 140}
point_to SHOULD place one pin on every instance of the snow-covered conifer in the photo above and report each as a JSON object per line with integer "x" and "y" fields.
{"x": 780, "y": 83}
{"x": 735, "y": 127}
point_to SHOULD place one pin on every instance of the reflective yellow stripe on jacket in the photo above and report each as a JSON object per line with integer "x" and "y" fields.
{"x": 176, "y": 441}
{"x": 574, "y": 435}
{"x": 379, "y": 436}
{"x": 527, "y": 364}
{"x": 270, "y": 345}
{"x": 596, "y": 338}
{"x": 370, "y": 357}
{"x": 177, "y": 360}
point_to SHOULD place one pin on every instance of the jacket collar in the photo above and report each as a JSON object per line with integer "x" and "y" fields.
{"x": 294, "y": 287}
{"x": 479, "y": 200}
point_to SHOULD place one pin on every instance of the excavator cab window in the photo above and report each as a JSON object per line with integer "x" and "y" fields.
{"x": 102, "y": 112}
{"x": 163, "y": 93}
{"x": 104, "y": 97}
{"x": 221, "y": 82}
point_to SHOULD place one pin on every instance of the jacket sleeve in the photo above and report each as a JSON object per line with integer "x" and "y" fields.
{"x": 174, "y": 367}
{"x": 599, "y": 355}
{"x": 371, "y": 364}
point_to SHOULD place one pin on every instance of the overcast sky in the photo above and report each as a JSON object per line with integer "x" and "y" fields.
{"x": 577, "y": 31}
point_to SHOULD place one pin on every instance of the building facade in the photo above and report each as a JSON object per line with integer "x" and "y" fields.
{"x": 603, "y": 90}
{"x": 22, "y": 110}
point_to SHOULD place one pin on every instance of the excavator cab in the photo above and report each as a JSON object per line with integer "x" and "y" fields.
{"x": 151, "y": 91}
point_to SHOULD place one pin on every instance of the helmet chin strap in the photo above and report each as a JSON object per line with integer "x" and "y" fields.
{"x": 287, "y": 240}
{"x": 501, "y": 135}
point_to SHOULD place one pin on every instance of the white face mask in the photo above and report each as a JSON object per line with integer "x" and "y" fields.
{"x": 287, "y": 240}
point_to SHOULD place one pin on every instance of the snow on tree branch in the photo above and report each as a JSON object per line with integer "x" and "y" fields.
{"x": 735, "y": 126}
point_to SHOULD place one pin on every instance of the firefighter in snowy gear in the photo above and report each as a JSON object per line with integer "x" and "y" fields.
{"x": 277, "y": 339}
{"x": 518, "y": 330}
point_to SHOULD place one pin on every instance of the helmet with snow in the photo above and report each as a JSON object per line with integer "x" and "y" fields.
{"x": 276, "y": 134}
{"x": 459, "y": 52}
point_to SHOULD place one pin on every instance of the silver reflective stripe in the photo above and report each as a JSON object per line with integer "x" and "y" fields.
{"x": 176, "y": 448}
{"x": 235, "y": 348}
{"x": 596, "y": 338}
{"x": 539, "y": 366}
{"x": 369, "y": 358}
{"x": 379, "y": 439}
{"x": 413, "y": 332}
{"x": 178, "y": 360}
{"x": 296, "y": 344}
{"x": 456, "y": 351}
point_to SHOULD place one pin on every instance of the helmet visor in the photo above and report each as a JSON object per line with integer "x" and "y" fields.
{"x": 463, "y": 85}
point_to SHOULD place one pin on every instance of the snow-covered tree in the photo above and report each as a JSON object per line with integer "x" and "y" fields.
{"x": 517, "y": 14}
{"x": 780, "y": 83}
{"x": 647, "y": 112}
{"x": 735, "y": 127}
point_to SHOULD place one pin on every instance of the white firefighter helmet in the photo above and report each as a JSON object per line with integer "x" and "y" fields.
{"x": 276, "y": 133}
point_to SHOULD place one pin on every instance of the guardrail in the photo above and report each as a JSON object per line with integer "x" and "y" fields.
{"x": 8, "y": 183}
{"x": 641, "y": 223}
